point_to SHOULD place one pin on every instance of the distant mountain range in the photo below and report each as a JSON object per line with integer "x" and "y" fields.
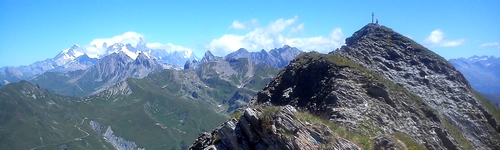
{"x": 119, "y": 66}
{"x": 278, "y": 57}
{"x": 482, "y": 72}
{"x": 123, "y": 102}
{"x": 107, "y": 72}
{"x": 74, "y": 58}
{"x": 379, "y": 91}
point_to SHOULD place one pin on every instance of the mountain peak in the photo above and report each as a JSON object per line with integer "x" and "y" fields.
{"x": 420, "y": 71}
{"x": 76, "y": 46}
{"x": 242, "y": 50}
{"x": 483, "y": 72}
{"x": 142, "y": 56}
{"x": 286, "y": 46}
{"x": 368, "y": 30}
{"x": 208, "y": 56}
{"x": 381, "y": 84}
{"x": 383, "y": 42}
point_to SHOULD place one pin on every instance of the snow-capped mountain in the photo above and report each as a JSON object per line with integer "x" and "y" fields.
{"x": 482, "y": 72}
{"x": 67, "y": 60}
{"x": 81, "y": 57}
{"x": 68, "y": 55}
{"x": 110, "y": 70}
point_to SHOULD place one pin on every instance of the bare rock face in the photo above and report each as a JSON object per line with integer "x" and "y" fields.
{"x": 380, "y": 91}
{"x": 278, "y": 57}
{"x": 272, "y": 128}
{"x": 427, "y": 75}
{"x": 388, "y": 142}
{"x": 355, "y": 99}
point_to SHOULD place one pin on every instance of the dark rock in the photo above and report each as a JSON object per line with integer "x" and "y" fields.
{"x": 387, "y": 142}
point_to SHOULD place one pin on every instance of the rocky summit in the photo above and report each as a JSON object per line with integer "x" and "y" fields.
{"x": 381, "y": 90}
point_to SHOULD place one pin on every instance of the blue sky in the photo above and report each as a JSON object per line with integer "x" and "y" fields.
{"x": 37, "y": 30}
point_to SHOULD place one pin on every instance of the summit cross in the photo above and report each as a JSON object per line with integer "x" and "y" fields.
{"x": 372, "y": 16}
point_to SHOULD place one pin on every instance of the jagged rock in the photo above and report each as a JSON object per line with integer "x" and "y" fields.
{"x": 427, "y": 75}
{"x": 208, "y": 57}
{"x": 191, "y": 65}
{"x": 379, "y": 85}
{"x": 109, "y": 71}
{"x": 278, "y": 57}
{"x": 279, "y": 129}
{"x": 387, "y": 142}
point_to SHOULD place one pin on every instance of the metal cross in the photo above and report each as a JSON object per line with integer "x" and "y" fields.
{"x": 372, "y": 16}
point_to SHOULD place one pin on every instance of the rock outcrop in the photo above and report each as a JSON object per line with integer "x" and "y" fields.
{"x": 380, "y": 91}
{"x": 424, "y": 73}
{"x": 272, "y": 128}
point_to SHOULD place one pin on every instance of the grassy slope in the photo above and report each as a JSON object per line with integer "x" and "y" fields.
{"x": 129, "y": 117}
{"x": 27, "y": 122}
{"x": 138, "y": 117}
{"x": 60, "y": 83}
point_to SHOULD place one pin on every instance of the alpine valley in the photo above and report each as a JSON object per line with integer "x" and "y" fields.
{"x": 381, "y": 90}
{"x": 127, "y": 100}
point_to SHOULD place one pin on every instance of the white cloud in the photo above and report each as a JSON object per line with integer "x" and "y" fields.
{"x": 280, "y": 25}
{"x": 96, "y": 48}
{"x": 452, "y": 43}
{"x": 237, "y": 25}
{"x": 319, "y": 43}
{"x": 128, "y": 37}
{"x": 271, "y": 37}
{"x": 492, "y": 44}
{"x": 436, "y": 39}
{"x": 226, "y": 44}
{"x": 299, "y": 28}
{"x": 169, "y": 47}
{"x": 154, "y": 45}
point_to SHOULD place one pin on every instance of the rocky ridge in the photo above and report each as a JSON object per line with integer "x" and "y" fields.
{"x": 278, "y": 57}
{"x": 75, "y": 58}
{"x": 242, "y": 73}
{"x": 272, "y": 129}
{"x": 426, "y": 74}
{"x": 107, "y": 72}
{"x": 380, "y": 91}
{"x": 248, "y": 71}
